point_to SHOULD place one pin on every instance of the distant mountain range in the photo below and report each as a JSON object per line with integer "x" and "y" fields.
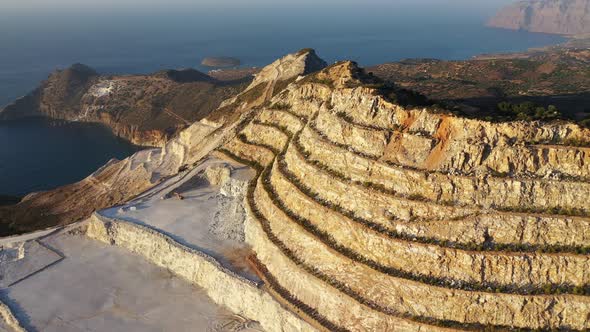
{"x": 568, "y": 17}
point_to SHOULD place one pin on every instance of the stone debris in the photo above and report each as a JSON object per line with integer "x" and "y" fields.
{"x": 230, "y": 215}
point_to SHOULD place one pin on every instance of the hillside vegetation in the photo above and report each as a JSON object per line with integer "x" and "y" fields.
{"x": 553, "y": 80}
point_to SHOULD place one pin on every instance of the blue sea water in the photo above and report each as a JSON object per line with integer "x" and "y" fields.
{"x": 40, "y": 154}
{"x": 33, "y": 45}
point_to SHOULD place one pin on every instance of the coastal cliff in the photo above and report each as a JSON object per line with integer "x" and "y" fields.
{"x": 146, "y": 110}
{"x": 567, "y": 17}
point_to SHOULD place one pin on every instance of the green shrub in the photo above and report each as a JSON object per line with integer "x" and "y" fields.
{"x": 527, "y": 111}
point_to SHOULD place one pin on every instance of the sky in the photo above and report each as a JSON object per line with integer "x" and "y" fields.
{"x": 62, "y": 6}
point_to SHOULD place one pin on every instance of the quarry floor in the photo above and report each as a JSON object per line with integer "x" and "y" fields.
{"x": 189, "y": 220}
{"x": 63, "y": 281}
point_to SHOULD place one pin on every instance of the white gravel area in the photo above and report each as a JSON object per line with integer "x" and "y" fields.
{"x": 97, "y": 287}
{"x": 208, "y": 217}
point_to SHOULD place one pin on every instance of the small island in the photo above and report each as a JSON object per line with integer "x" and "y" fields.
{"x": 220, "y": 62}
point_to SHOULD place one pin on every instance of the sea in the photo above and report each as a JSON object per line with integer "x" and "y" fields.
{"x": 41, "y": 154}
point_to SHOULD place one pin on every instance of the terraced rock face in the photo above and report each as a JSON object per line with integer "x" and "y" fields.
{"x": 368, "y": 216}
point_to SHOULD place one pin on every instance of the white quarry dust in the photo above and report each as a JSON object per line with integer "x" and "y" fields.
{"x": 60, "y": 280}
{"x": 105, "y": 288}
{"x": 19, "y": 260}
{"x": 102, "y": 89}
{"x": 209, "y": 217}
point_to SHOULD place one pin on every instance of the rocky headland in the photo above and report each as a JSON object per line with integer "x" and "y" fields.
{"x": 567, "y": 17}
{"x": 146, "y": 110}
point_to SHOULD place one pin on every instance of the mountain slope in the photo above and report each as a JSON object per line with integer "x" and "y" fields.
{"x": 569, "y": 17}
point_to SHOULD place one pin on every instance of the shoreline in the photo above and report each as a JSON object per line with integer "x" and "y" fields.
{"x": 571, "y": 42}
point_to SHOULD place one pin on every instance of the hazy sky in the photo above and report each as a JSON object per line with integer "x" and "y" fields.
{"x": 40, "y": 6}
